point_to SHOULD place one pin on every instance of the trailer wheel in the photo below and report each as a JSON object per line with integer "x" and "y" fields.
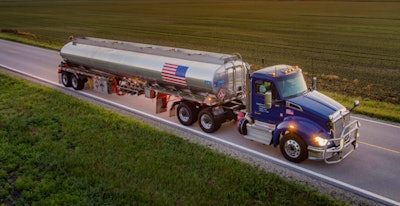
{"x": 77, "y": 83}
{"x": 66, "y": 79}
{"x": 293, "y": 148}
{"x": 208, "y": 122}
{"x": 186, "y": 113}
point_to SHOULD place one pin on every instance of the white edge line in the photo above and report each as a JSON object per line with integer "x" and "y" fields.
{"x": 287, "y": 164}
{"x": 30, "y": 75}
{"x": 376, "y": 122}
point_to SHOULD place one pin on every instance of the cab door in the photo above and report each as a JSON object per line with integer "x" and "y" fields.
{"x": 259, "y": 112}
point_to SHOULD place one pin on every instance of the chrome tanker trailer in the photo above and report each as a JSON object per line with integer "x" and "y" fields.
{"x": 201, "y": 81}
{"x": 272, "y": 105}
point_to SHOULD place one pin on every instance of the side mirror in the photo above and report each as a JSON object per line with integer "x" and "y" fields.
{"x": 314, "y": 83}
{"x": 356, "y": 103}
{"x": 268, "y": 100}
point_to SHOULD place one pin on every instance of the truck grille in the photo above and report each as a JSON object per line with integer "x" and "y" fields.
{"x": 340, "y": 124}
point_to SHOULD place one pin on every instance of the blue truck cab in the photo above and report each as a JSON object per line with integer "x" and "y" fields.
{"x": 303, "y": 122}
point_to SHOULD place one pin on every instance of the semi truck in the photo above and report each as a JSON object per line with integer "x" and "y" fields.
{"x": 272, "y": 105}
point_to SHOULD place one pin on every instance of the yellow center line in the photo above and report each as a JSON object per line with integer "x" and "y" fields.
{"x": 383, "y": 148}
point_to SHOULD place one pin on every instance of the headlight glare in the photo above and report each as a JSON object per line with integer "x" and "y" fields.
{"x": 320, "y": 141}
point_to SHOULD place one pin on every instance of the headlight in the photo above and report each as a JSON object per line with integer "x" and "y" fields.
{"x": 320, "y": 141}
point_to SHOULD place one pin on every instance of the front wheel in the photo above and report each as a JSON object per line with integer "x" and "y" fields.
{"x": 208, "y": 122}
{"x": 242, "y": 126}
{"x": 293, "y": 148}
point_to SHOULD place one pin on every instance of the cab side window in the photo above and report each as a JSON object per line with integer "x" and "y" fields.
{"x": 265, "y": 86}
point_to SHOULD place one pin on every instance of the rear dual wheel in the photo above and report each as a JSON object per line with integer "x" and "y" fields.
{"x": 71, "y": 80}
{"x": 66, "y": 79}
{"x": 77, "y": 83}
{"x": 208, "y": 122}
{"x": 187, "y": 113}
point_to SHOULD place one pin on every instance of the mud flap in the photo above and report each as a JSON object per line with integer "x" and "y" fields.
{"x": 149, "y": 93}
{"x": 161, "y": 103}
{"x": 172, "y": 111}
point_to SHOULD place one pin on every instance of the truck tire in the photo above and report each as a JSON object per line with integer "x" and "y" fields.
{"x": 242, "y": 126}
{"x": 186, "y": 113}
{"x": 207, "y": 121}
{"x": 77, "y": 83}
{"x": 293, "y": 148}
{"x": 66, "y": 79}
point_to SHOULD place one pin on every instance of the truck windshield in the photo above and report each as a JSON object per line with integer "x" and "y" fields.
{"x": 292, "y": 86}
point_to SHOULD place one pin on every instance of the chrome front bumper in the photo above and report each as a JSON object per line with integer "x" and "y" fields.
{"x": 344, "y": 145}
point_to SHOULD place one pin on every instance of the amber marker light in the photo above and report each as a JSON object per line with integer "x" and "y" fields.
{"x": 292, "y": 126}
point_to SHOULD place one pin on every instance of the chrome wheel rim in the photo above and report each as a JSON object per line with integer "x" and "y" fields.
{"x": 206, "y": 121}
{"x": 74, "y": 82}
{"x": 65, "y": 79}
{"x": 292, "y": 148}
{"x": 184, "y": 114}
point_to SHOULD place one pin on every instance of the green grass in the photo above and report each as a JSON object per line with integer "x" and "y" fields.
{"x": 368, "y": 107}
{"x": 57, "y": 150}
{"x": 356, "y": 40}
{"x": 27, "y": 39}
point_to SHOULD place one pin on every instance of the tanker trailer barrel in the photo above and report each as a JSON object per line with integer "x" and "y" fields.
{"x": 195, "y": 71}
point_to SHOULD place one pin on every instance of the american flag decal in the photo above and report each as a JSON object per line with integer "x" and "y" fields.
{"x": 289, "y": 112}
{"x": 175, "y": 74}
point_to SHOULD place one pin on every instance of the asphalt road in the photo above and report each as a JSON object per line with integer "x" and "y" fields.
{"x": 372, "y": 170}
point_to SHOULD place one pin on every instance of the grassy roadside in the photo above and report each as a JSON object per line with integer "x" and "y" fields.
{"x": 56, "y": 150}
{"x": 368, "y": 107}
{"x": 28, "y": 39}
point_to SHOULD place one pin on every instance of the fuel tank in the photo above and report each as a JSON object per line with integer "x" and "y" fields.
{"x": 192, "y": 70}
